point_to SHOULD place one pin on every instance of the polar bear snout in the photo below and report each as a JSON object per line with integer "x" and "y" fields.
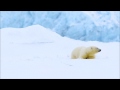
{"x": 99, "y": 50}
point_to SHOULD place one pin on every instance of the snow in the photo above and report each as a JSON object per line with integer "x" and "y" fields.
{"x": 104, "y": 25}
{"x": 36, "y": 52}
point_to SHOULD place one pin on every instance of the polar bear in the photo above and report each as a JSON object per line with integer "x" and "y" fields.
{"x": 85, "y": 52}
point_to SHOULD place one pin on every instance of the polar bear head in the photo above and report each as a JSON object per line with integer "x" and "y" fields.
{"x": 93, "y": 49}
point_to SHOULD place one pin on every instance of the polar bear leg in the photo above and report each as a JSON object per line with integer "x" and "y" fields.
{"x": 83, "y": 56}
{"x": 91, "y": 57}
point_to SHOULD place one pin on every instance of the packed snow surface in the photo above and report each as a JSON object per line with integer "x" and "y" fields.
{"x": 36, "y": 52}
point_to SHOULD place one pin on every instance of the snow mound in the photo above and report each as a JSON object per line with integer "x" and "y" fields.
{"x": 30, "y": 34}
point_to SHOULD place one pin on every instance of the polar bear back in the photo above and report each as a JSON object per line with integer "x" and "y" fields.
{"x": 78, "y": 52}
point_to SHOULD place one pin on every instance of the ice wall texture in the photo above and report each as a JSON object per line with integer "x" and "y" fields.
{"x": 80, "y": 25}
